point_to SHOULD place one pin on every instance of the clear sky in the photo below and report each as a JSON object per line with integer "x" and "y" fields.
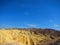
{"x": 30, "y": 13}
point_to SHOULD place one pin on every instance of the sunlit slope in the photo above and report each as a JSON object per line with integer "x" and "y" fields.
{"x": 21, "y": 37}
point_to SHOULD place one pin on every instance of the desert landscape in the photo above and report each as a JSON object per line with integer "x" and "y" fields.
{"x": 33, "y": 36}
{"x": 29, "y": 22}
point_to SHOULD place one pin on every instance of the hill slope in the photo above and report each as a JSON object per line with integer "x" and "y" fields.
{"x": 27, "y": 36}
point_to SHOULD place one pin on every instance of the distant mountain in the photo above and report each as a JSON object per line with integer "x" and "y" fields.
{"x": 29, "y": 36}
{"x": 51, "y": 32}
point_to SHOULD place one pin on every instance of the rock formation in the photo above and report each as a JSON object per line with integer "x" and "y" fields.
{"x": 26, "y": 36}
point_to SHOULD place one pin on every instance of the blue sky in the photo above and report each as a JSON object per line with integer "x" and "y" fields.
{"x": 30, "y": 13}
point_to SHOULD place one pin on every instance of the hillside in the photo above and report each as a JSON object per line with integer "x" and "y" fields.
{"x": 28, "y": 36}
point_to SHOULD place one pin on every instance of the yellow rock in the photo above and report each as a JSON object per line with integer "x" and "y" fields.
{"x": 21, "y": 37}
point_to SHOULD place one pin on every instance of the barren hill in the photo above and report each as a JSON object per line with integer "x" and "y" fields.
{"x": 28, "y": 36}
